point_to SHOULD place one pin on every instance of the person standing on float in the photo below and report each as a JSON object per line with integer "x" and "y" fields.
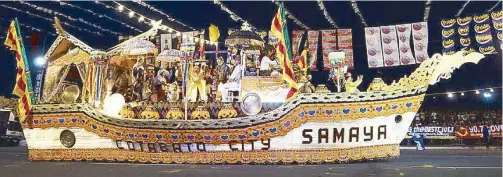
{"x": 486, "y": 133}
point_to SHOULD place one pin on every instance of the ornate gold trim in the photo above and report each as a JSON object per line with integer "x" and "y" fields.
{"x": 219, "y": 157}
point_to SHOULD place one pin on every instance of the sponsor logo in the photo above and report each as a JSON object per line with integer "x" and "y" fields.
{"x": 465, "y": 41}
{"x": 498, "y": 25}
{"x": 487, "y": 49}
{"x": 448, "y": 22}
{"x": 482, "y": 28}
{"x": 401, "y": 28}
{"x": 385, "y": 30}
{"x": 483, "y": 39}
{"x": 417, "y": 26}
{"x": 448, "y": 43}
{"x": 464, "y": 21}
{"x": 500, "y": 36}
{"x": 447, "y": 32}
{"x": 345, "y": 135}
{"x": 496, "y": 15}
{"x": 480, "y": 18}
{"x": 464, "y": 30}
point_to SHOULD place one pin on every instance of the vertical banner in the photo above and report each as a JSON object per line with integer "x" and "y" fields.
{"x": 166, "y": 41}
{"x": 296, "y": 37}
{"x": 187, "y": 37}
{"x": 496, "y": 17}
{"x": 483, "y": 35}
{"x": 345, "y": 43}
{"x": 448, "y": 41}
{"x": 390, "y": 46}
{"x": 328, "y": 44}
{"x": 312, "y": 38}
{"x": 464, "y": 34}
{"x": 405, "y": 52}
{"x": 374, "y": 50}
{"x": 420, "y": 42}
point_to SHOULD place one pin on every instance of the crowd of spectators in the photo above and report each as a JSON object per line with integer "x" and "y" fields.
{"x": 457, "y": 117}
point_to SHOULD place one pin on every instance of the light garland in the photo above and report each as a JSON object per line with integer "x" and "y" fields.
{"x": 290, "y": 16}
{"x": 31, "y": 27}
{"x": 162, "y": 13}
{"x": 357, "y": 12}
{"x": 66, "y": 4}
{"x": 123, "y": 9}
{"x": 462, "y": 93}
{"x": 496, "y": 5}
{"x": 427, "y": 7}
{"x": 462, "y": 8}
{"x": 325, "y": 13}
{"x": 52, "y": 12}
{"x": 233, "y": 15}
{"x": 50, "y": 20}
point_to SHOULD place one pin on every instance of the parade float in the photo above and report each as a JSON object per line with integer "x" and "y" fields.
{"x": 133, "y": 104}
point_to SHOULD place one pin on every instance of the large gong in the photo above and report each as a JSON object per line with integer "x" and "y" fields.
{"x": 251, "y": 104}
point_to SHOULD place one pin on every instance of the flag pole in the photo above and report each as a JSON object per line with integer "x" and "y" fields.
{"x": 25, "y": 60}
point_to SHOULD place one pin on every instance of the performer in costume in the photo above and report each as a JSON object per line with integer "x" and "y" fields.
{"x": 266, "y": 64}
{"x": 138, "y": 76}
{"x": 350, "y": 85}
{"x": 197, "y": 84}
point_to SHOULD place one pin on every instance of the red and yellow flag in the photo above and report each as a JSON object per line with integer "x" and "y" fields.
{"x": 279, "y": 29}
{"x": 22, "y": 88}
{"x": 302, "y": 60}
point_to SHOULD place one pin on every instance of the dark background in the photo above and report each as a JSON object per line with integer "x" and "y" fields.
{"x": 203, "y": 13}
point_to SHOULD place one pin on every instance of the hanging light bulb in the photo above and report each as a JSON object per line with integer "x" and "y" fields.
{"x": 491, "y": 90}
{"x": 120, "y": 8}
{"x": 462, "y": 93}
{"x": 207, "y": 42}
{"x": 477, "y": 92}
{"x": 143, "y": 18}
{"x": 450, "y": 95}
{"x": 170, "y": 30}
{"x": 131, "y": 14}
{"x": 487, "y": 95}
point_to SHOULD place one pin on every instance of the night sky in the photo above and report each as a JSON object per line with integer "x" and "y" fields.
{"x": 201, "y": 14}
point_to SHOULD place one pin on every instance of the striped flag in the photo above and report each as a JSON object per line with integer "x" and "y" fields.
{"x": 279, "y": 29}
{"x": 302, "y": 61}
{"x": 23, "y": 87}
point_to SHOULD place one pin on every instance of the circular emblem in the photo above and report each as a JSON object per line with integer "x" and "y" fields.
{"x": 398, "y": 119}
{"x": 67, "y": 138}
{"x": 251, "y": 104}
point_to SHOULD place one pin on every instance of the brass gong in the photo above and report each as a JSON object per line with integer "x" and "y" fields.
{"x": 70, "y": 94}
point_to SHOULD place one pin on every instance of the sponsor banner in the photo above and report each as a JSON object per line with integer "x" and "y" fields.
{"x": 373, "y": 44}
{"x": 296, "y": 37}
{"x": 475, "y": 132}
{"x": 405, "y": 52}
{"x": 328, "y": 44}
{"x": 187, "y": 50}
{"x": 420, "y": 41}
{"x": 483, "y": 34}
{"x": 390, "y": 46}
{"x": 464, "y": 34}
{"x": 312, "y": 38}
{"x": 431, "y": 131}
{"x": 345, "y": 43}
{"x": 496, "y": 17}
{"x": 166, "y": 41}
{"x": 448, "y": 31}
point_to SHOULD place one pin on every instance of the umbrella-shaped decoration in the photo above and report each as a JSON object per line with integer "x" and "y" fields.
{"x": 170, "y": 55}
{"x": 136, "y": 48}
{"x": 244, "y": 38}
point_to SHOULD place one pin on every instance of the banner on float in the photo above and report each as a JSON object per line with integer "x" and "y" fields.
{"x": 496, "y": 17}
{"x": 373, "y": 44}
{"x": 420, "y": 42}
{"x": 483, "y": 34}
{"x": 167, "y": 41}
{"x": 296, "y": 38}
{"x": 345, "y": 43}
{"x": 188, "y": 37}
{"x": 464, "y": 34}
{"x": 475, "y": 132}
{"x": 187, "y": 50}
{"x": 312, "y": 38}
{"x": 328, "y": 44}
{"x": 390, "y": 46}
{"x": 405, "y": 52}
{"x": 272, "y": 40}
{"x": 431, "y": 132}
{"x": 448, "y": 31}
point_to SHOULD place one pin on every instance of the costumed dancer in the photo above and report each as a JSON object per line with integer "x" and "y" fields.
{"x": 138, "y": 76}
{"x": 350, "y": 85}
{"x": 197, "y": 83}
{"x": 266, "y": 64}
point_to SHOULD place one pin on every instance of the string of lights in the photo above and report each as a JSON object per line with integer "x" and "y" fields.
{"x": 66, "y": 4}
{"x": 325, "y": 13}
{"x": 462, "y": 8}
{"x": 290, "y": 16}
{"x": 427, "y": 7}
{"x": 358, "y": 12}
{"x": 486, "y": 92}
{"x": 50, "y": 20}
{"x": 233, "y": 15}
{"x": 56, "y": 13}
{"x": 32, "y": 28}
{"x": 496, "y": 5}
{"x": 162, "y": 13}
{"x": 143, "y": 19}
